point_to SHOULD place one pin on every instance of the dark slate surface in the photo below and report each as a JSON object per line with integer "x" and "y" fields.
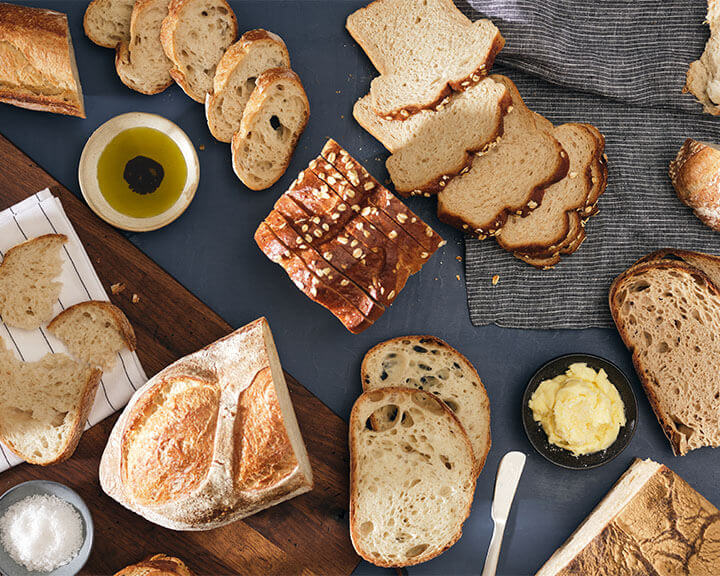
{"x": 211, "y": 251}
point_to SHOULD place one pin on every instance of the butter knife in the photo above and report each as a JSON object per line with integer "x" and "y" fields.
{"x": 508, "y": 475}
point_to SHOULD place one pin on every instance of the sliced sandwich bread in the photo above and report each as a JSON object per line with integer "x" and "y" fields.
{"x": 28, "y": 281}
{"x": 412, "y": 478}
{"x": 140, "y": 61}
{"x": 433, "y": 145}
{"x": 667, "y": 310}
{"x": 423, "y": 51}
{"x": 274, "y": 118}
{"x": 195, "y": 35}
{"x": 234, "y": 81}
{"x": 94, "y": 332}
{"x": 107, "y": 22}
{"x": 432, "y": 365}
{"x": 509, "y": 178}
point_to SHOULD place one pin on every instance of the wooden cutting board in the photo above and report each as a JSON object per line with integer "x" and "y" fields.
{"x": 307, "y": 535}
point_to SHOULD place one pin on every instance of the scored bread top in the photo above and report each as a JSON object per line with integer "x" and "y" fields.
{"x": 107, "y": 22}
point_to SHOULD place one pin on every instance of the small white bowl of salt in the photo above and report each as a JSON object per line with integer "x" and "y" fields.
{"x": 45, "y": 530}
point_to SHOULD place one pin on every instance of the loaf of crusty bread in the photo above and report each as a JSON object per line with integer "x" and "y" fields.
{"x": 107, "y": 22}
{"x": 651, "y": 522}
{"x": 430, "y": 364}
{"x": 412, "y": 477}
{"x": 695, "y": 174}
{"x": 703, "y": 76}
{"x": 157, "y": 565}
{"x": 38, "y": 68}
{"x": 210, "y": 439}
{"x": 667, "y": 310}
{"x": 423, "y": 51}
{"x": 234, "y": 81}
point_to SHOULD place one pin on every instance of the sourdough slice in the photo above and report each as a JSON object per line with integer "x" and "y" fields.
{"x": 423, "y": 51}
{"x": 194, "y": 36}
{"x": 651, "y": 522}
{"x": 430, "y": 364}
{"x": 411, "y": 480}
{"x": 434, "y": 145}
{"x": 95, "y": 332}
{"x": 107, "y": 22}
{"x": 509, "y": 178}
{"x": 44, "y": 406}
{"x": 274, "y": 118}
{"x": 28, "y": 285}
{"x": 234, "y": 81}
{"x": 703, "y": 76}
{"x": 667, "y": 311}
{"x": 140, "y": 62}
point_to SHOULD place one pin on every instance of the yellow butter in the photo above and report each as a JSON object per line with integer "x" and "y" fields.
{"x": 580, "y": 410}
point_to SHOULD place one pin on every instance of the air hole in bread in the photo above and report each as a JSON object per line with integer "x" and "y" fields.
{"x": 275, "y": 122}
{"x": 416, "y": 550}
{"x": 406, "y": 421}
{"x": 663, "y": 348}
{"x": 446, "y": 461}
{"x": 452, "y": 405}
{"x": 640, "y": 286}
{"x": 683, "y": 428}
{"x": 366, "y": 528}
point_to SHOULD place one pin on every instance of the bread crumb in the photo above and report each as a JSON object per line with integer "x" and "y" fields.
{"x": 201, "y": 147}
{"x": 457, "y": 276}
{"x": 495, "y": 280}
{"x": 117, "y": 288}
{"x": 135, "y": 298}
{"x": 458, "y": 258}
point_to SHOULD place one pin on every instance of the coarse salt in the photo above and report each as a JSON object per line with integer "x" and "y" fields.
{"x": 41, "y": 532}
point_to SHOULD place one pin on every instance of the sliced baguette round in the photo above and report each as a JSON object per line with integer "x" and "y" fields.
{"x": 412, "y": 479}
{"x": 430, "y": 364}
{"x": 275, "y": 116}
{"x": 242, "y": 63}
{"x": 107, "y": 22}
{"x": 94, "y": 331}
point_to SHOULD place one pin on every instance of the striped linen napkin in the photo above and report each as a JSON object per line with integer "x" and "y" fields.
{"x": 43, "y": 214}
{"x": 620, "y": 66}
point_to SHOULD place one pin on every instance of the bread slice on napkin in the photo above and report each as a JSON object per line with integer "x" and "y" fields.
{"x": 107, "y": 22}
{"x": 210, "y": 439}
{"x": 194, "y": 36}
{"x": 667, "y": 310}
{"x": 423, "y": 51}
{"x": 430, "y": 364}
{"x": 28, "y": 281}
{"x": 234, "y": 81}
{"x": 412, "y": 479}
{"x": 434, "y": 145}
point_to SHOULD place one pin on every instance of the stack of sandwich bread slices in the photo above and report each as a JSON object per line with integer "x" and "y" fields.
{"x": 344, "y": 239}
{"x": 491, "y": 160}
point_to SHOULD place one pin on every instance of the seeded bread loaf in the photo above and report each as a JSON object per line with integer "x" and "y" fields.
{"x": 107, "y": 22}
{"x": 234, "y": 81}
{"x": 703, "y": 76}
{"x": 140, "y": 61}
{"x": 157, "y": 565}
{"x": 38, "y": 70}
{"x": 430, "y": 364}
{"x": 434, "y": 145}
{"x": 667, "y": 310}
{"x": 28, "y": 281}
{"x": 412, "y": 479}
{"x": 274, "y": 118}
{"x": 423, "y": 51}
{"x": 194, "y": 36}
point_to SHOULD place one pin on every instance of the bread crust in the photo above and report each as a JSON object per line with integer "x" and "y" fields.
{"x": 122, "y": 324}
{"x": 157, "y": 565}
{"x": 38, "y": 40}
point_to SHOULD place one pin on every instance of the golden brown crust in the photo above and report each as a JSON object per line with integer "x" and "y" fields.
{"x": 157, "y": 565}
{"x": 122, "y": 324}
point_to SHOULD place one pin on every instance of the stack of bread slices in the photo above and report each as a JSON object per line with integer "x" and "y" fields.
{"x": 498, "y": 168}
{"x": 252, "y": 98}
{"x": 344, "y": 240}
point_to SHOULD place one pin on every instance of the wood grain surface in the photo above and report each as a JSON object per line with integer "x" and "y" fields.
{"x": 307, "y": 535}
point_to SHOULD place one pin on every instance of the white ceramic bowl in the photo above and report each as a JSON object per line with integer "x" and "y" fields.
{"x": 87, "y": 171}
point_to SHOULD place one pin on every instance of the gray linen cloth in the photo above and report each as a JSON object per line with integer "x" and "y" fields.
{"x": 620, "y": 66}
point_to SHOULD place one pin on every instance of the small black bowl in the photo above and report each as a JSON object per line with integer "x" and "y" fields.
{"x": 560, "y": 456}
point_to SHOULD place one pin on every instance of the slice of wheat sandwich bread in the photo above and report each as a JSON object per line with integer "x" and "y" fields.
{"x": 667, "y": 310}
{"x": 28, "y": 281}
{"x": 423, "y": 50}
{"x": 430, "y": 364}
{"x": 107, "y": 22}
{"x": 412, "y": 478}
{"x": 433, "y": 145}
{"x": 234, "y": 81}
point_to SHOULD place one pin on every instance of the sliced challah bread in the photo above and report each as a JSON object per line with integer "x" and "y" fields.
{"x": 430, "y": 364}
{"x": 242, "y": 63}
{"x": 412, "y": 477}
{"x": 509, "y": 178}
{"x": 94, "y": 331}
{"x": 107, "y": 22}
{"x": 275, "y": 116}
{"x": 433, "y": 145}
{"x": 28, "y": 285}
{"x": 140, "y": 61}
{"x": 423, "y": 51}
{"x": 44, "y": 405}
{"x": 195, "y": 35}
{"x": 667, "y": 310}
